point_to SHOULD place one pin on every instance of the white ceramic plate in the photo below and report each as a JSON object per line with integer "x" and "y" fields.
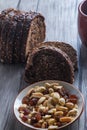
{"x": 67, "y": 86}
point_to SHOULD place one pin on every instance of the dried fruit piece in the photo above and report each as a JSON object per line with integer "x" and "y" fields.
{"x": 37, "y": 125}
{"x": 73, "y": 98}
{"x": 24, "y": 118}
{"x": 33, "y": 101}
{"x": 25, "y": 100}
{"x": 70, "y": 105}
{"x": 66, "y": 119}
{"x": 33, "y": 120}
{"x": 38, "y": 116}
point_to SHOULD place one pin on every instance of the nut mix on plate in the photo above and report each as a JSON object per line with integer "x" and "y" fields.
{"x": 48, "y": 106}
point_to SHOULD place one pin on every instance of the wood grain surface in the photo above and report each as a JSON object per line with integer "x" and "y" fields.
{"x": 61, "y": 24}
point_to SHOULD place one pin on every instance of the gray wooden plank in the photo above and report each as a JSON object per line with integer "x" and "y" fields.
{"x": 8, "y": 4}
{"x": 28, "y": 5}
{"x": 9, "y": 86}
{"x": 83, "y": 84}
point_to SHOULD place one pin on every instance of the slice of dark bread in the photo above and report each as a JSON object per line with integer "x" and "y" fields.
{"x": 67, "y": 48}
{"x": 3, "y": 40}
{"x": 24, "y": 37}
{"x": 19, "y": 18}
{"x": 48, "y": 63}
{"x": 9, "y": 42}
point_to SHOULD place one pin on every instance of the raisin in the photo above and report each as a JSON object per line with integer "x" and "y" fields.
{"x": 57, "y": 118}
{"x": 46, "y": 91}
{"x": 73, "y": 98}
{"x": 33, "y": 120}
{"x": 24, "y": 118}
{"x": 25, "y": 110}
{"x": 38, "y": 116}
{"x": 21, "y": 109}
{"x": 33, "y": 101}
{"x": 59, "y": 124}
{"x": 42, "y": 114}
{"x": 37, "y": 125}
{"x": 25, "y": 100}
{"x": 63, "y": 92}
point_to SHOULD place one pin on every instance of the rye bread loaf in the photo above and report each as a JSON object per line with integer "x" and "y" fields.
{"x": 67, "y": 48}
{"x": 48, "y": 63}
{"x": 28, "y": 28}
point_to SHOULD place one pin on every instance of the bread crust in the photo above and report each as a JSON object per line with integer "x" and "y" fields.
{"x": 67, "y": 48}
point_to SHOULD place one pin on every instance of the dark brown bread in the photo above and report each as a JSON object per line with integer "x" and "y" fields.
{"x": 17, "y": 38}
{"x": 24, "y": 36}
{"x": 48, "y": 63}
{"x": 3, "y": 39}
{"x": 67, "y": 48}
{"x": 10, "y": 40}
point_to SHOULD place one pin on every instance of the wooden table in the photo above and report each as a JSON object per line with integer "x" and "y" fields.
{"x": 61, "y": 24}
